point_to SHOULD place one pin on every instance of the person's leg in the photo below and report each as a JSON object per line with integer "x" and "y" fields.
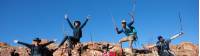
{"x": 69, "y": 45}
{"x": 124, "y": 39}
{"x": 131, "y": 39}
{"x": 63, "y": 41}
{"x": 130, "y": 44}
{"x": 74, "y": 42}
{"x": 130, "y": 47}
{"x": 170, "y": 53}
{"x": 70, "y": 42}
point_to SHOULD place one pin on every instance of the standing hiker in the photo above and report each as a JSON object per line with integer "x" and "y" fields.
{"x": 36, "y": 48}
{"x": 163, "y": 45}
{"x": 129, "y": 31}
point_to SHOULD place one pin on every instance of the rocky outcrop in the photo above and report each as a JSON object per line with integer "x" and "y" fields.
{"x": 2, "y": 44}
{"x": 98, "y": 49}
{"x": 185, "y": 49}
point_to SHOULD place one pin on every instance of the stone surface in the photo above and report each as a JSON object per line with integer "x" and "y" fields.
{"x": 95, "y": 49}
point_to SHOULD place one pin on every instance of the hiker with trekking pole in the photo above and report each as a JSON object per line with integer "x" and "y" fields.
{"x": 129, "y": 31}
{"x": 163, "y": 44}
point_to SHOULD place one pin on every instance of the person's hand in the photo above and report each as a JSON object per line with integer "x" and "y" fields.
{"x": 54, "y": 40}
{"x": 15, "y": 41}
{"x": 88, "y": 17}
{"x": 116, "y": 28}
{"x": 182, "y": 33}
{"x": 66, "y": 16}
{"x": 132, "y": 16}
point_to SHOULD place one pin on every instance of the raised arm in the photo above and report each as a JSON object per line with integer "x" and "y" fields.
{"x": 150, "y": 46}
{"x": 87, "y": 18}
{"x": 176, "y": 36}
{"x": 132, "y": 20}
{"x": 70, "y": 24}
{"x": 22, "y": 43}
{"x": 48, "y": 43}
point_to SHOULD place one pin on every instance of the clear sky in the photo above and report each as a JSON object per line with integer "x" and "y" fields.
{"x": 26, "y": 19}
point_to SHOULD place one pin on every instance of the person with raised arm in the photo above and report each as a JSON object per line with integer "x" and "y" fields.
{"x": 36, "y": 48}
{"x": 129, "y": 31}
{"x": 77, "y": 33}
{"x": 163, "y": 45}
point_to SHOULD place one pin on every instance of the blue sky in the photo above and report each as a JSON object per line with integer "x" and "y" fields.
{"x": 26, "y": 19}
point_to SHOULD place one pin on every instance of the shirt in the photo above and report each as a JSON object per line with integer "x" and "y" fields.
{"x": 129, "y": 30}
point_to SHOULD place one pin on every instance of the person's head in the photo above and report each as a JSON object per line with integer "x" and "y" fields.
{"x": 123, "y": 24}
{"x": 36, "y": 41}
{"x": 160, "y": 38}
{"x": 77, "y": 23}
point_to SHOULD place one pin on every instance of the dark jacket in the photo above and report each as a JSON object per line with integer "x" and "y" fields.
{"x": 130, "y": 30}
{"x": 163, "y": 48}
{"x": 36, "y": 50}
{"x": 77, "y": 32}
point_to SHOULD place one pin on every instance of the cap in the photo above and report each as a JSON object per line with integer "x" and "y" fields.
{"x": 37, "y": 39}
{"x": 123, "y": 20}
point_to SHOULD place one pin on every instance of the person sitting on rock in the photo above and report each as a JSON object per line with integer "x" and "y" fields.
{"x": 77, "y": 32}
{"x": 36, "y": 48}
{"x": 163, "y": 45}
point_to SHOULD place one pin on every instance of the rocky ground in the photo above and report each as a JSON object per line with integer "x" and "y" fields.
{"x": 97, "y": 49}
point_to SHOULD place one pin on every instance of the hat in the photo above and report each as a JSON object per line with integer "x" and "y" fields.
{"x": 159, "y": 37}
{"x": 77, "y": 22}
{"x": 123, "y": 21}
{"x": 37, "y": 39}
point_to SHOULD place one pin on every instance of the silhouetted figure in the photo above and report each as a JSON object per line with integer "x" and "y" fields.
{"x": 163, "y": 45}
{"x": 36, "y": 48}
{"x": 49, "y": 52}
{"x": 77, "y": 33}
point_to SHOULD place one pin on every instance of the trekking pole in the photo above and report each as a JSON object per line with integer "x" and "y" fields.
{"x": 91, "y": 37}
{"x": 114, "y": 23}
{"x": 134, "y": 5}
{"x": 113, "y": 40}
{"x": 91, "y": 40}
{"x": 63, "y": 30}
{"x": 132, "y": 16}
{"x": 93, "y": 53}
{"x": 113, "y": 20}
{"x": 180, "y": 21}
